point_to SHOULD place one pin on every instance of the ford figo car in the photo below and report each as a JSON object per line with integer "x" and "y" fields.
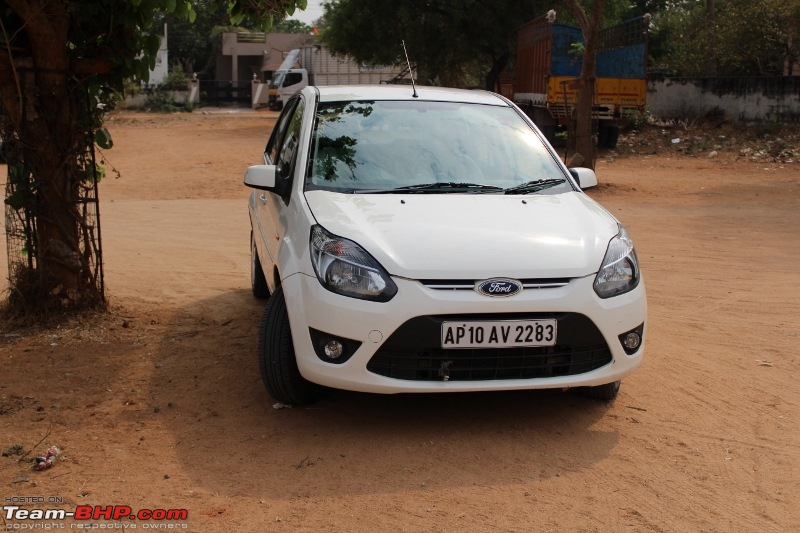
{"x": 431, "y": 240}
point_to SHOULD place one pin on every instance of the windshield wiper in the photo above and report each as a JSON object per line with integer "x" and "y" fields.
{"x": 434, "y": 187}
{"x": 534, "y": 186}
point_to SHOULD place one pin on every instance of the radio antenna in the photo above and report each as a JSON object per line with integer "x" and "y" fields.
{"x": 410, "y": 72}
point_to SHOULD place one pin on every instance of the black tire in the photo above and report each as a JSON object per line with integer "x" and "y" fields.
{"x": 258, "y": 281}
{"x": 607, "y": 135}
{"x": 606, "y": 393}
{"x": 276, "y": 357}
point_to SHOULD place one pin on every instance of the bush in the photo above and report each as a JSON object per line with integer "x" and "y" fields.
{"x": 162, "y": 101}
{"x": 176, "y": 80}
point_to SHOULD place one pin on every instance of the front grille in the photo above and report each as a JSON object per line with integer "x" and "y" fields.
{"x": 489, "y": 364}
{"x": 468, "y": 285}
{"x": 414, "y": 352}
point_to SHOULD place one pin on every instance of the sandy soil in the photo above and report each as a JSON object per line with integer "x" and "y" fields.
{"x": 159, "y": 404}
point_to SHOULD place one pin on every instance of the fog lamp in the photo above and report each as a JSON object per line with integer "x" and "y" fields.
{"x": 334, "y": 349}
{"x": 632, "y": 340}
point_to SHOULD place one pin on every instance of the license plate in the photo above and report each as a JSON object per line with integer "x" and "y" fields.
{"x": 499, "y": 334}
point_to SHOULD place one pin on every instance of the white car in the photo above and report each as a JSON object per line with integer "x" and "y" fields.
{"x": 430, "y": 240}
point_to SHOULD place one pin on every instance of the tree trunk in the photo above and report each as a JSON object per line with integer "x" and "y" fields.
{"x": 492, "y": 82}
{"x": 46, "y": 116}
{"x": 584, "y": 142}
{"x": 711, "y": 60}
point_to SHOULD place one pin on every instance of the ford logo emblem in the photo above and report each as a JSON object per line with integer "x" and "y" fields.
{"x": 499, "y": 287}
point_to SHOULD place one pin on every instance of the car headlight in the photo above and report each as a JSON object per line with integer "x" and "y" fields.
{"x": 619, "y": 272}
{"x": 344, "y": 267}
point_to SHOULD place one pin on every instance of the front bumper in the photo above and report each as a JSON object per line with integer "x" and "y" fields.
{"x": 400, "y": 348}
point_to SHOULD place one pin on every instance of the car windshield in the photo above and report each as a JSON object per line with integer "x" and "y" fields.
{"x": 428, "y": 147}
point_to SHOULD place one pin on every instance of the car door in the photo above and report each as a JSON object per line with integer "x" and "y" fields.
{"x": 281, "y": 151}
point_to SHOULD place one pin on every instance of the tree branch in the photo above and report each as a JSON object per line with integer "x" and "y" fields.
{"x": 12, "y": 67}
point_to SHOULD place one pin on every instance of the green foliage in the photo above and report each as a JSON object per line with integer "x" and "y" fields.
{"x": 80, "y": 54}
{"x": 577, "y": 50}
{"x": 262, "y": 13}
{"x": 445, "y": 39}
{"x": 638, "y": 121}
{"x": 190, "y": 43}
{"x": 613, "y": 11}
{"x": 746, "y": 38}
{"x": 103, "y": 139}
{"x": 448, "y": 41}
{"x": 113, "y": 30}
{"x": 163, "y": 102}
{"x": 171, "y": 96}
{"x": 175, "y": 80}
{"x": 18, "y": 176}
{"x": 115, "y": 37}
{"x": 131, "y": 88}
{"x": 291, "y": 26}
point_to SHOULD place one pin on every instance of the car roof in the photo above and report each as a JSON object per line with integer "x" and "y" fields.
{"x": 340, "y": 93}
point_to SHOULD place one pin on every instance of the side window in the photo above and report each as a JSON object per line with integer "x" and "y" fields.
{"x": 278, "y": 132}
{"x": 293, "y": 78}
{"x": 287, "y": 153}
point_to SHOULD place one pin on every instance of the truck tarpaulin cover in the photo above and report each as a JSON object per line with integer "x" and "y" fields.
{"x": 621, "y": 52}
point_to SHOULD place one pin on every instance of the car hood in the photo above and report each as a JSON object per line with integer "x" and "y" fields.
{"x": 471, "y": 236}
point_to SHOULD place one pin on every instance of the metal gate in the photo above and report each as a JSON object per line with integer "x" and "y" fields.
{"x": 219, "y": 93}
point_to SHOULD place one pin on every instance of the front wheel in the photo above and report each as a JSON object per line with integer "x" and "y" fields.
{"x": 276, "y": 357}
{"x": 607, "y": 392}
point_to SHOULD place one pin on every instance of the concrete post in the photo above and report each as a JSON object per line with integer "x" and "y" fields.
{"x": 194, "y": 90}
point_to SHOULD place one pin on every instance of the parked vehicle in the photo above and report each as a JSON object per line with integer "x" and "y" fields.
{"x": 315, "y": 65}
{"x": 430, "y": 240}
{"x": 549, "y": 61}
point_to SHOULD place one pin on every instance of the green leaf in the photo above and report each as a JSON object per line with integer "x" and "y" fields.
{"x": 99, "y": 173}
{"x": 153, "y": 44}
{"x": 16, "y": 200}
{"x": 302, "y": 4}
{"x": 171, "y": 5}
{"x": 17, "y": 174}
{"x": 103, "y": 139}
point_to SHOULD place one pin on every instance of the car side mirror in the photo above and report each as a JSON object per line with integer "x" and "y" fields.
{"x": 585, "y": 177}
{"x": 261, "y": 177}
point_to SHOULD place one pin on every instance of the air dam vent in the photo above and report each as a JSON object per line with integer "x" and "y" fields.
{"x": 414, "y": 352}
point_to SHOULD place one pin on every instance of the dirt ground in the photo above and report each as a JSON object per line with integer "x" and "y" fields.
{"x": 159, "y": 405}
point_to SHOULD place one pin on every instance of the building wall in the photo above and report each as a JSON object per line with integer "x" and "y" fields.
{"x": 161, "y": 67}
{"x": 244, "y": 54}
{"x": 745, "y": 99}
{"x": 246, "y": 66}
